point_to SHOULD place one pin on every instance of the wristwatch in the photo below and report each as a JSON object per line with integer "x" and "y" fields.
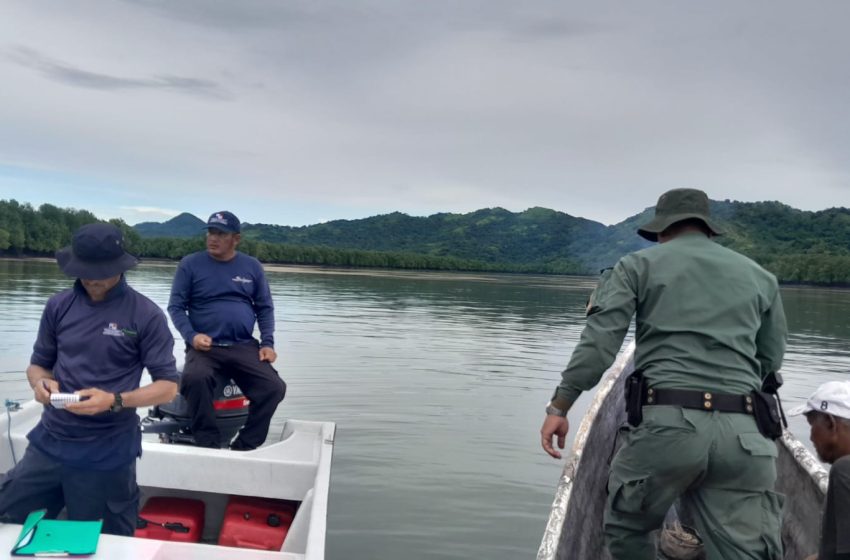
{"x": 552, "y": 411}
{"x": 118, "y": 405}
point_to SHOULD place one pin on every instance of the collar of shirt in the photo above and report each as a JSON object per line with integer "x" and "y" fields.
{"x": 691, "y": 237}
{"x": 116, "y": 292}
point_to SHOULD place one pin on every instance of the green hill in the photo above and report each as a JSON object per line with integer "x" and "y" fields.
{"x": 538, "y": 236}
{"x": 182, "y": 226}
{"x": 798, "y": 246}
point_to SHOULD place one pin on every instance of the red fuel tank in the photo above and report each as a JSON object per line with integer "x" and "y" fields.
{"x": 171, "y": 519}
{"x": 259, "y": 523}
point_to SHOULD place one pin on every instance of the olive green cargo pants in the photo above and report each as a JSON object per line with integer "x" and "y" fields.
{"x": 723, "y": 469}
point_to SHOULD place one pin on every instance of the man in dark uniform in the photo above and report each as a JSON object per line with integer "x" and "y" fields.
{"x": 94, "y": 340}
{"x": 828, "y": 413}
{"x": 709, "y": 328}
{"x": 216, "y": 298}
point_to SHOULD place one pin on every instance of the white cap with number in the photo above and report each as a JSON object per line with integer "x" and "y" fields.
{"x": 833, "y": 397}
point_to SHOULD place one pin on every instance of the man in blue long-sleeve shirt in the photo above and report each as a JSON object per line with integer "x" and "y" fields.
{"x": 216, "y": 297}
{"x": 94, "y": 339}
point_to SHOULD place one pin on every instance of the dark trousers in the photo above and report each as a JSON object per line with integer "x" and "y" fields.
{"x": 39, "y": 482}
{"x": 258, "y": 380}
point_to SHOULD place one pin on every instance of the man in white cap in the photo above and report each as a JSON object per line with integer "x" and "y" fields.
{"x": 828, "y": 413}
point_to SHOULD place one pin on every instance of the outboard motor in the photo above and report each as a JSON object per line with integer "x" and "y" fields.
{"x": 172, "y": 421}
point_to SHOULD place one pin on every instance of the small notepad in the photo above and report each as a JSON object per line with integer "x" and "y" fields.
{"x": 59, "y": 400}
{"x": 54, "y": 537}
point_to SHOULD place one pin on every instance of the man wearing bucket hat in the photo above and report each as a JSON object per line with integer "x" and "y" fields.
{"x": 828, "y": 414}
{"x": 216, "y": 298}
{"x": 93, "y": 340}
{"x": 709, "y": 328}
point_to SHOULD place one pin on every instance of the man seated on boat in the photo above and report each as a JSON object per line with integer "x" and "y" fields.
{"x": 216, "y": 298}
{"x": 828, "y": 413}
{"x": 93, "y": 340}
{"x": 710, "y": 328}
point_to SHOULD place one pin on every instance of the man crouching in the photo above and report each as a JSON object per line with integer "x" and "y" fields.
{"x": 93, "y": 340}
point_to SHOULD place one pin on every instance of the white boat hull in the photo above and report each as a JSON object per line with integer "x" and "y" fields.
{"x": 295, "y": 467}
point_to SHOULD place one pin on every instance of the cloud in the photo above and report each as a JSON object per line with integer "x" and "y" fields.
{"x": 152, "y": 210}
{"x": 67, "y": 74}
{"x": 342, "y": 109}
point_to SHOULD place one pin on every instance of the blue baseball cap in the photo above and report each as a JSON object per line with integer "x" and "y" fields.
{"x": 224, "y": 221}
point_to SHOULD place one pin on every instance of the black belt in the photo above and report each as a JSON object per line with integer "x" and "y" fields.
{"x": 700, "y": 400}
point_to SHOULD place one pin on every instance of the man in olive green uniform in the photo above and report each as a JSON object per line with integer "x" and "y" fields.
{"x": 710, "y": 327}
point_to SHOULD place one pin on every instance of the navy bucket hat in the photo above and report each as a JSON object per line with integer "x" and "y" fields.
{"x": 96, "y": 252}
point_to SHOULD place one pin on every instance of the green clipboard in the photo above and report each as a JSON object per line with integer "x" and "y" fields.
{"x": 54, "y": 537}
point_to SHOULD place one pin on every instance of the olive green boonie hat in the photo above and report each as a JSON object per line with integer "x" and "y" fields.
{"x": 677, "y": 205}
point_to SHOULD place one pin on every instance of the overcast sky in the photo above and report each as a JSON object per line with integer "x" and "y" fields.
{"x": 296, "y": 112}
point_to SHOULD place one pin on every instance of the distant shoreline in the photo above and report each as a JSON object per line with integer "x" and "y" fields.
{"x": 401, "y": 272}
{"x": 357, "y": 271}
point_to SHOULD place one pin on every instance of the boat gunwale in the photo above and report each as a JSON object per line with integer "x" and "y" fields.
{"x": 554, "y": 527}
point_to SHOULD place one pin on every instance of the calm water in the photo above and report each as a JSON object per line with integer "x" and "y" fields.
{"x": 437, "y": 384}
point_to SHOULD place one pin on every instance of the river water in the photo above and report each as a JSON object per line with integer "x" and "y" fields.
{"x": 437, "y": 384}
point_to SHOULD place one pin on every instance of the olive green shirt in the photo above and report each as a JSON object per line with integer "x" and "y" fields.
{"x": 707, "y": 318}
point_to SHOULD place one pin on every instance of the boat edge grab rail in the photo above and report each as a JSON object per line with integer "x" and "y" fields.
{"x": 552, "y": 535}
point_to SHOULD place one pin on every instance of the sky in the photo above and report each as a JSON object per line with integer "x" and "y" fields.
{"x": 296, "y": 112}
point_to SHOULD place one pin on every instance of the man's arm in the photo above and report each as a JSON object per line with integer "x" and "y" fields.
{"x": 264, "y": 309}
{"x": 178, "y": 302}
{"x": 98, "y": 401}
{"x": 44, "y": 354}
{"x": 42, "y": 382}
{"x": 602, "y": 337}
{"x": 608, "y": 321}
{"x": 772, "y": 336}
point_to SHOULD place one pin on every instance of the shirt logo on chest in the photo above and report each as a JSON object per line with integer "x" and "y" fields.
{"x": 114, "y": 330}
{"x": 239, "y": 280}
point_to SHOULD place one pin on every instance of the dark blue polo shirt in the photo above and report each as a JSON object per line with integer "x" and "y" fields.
{"x": 103, "y": 345}
{"x": 222, "y": 299}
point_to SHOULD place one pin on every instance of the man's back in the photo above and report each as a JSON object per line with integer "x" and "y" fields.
{"x": 709, "y": 324}
{"x": 707, "y": 317}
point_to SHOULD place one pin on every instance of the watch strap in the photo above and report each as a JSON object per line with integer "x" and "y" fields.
{"x": 552, "y": 411}
{"x": 118, "y": 404}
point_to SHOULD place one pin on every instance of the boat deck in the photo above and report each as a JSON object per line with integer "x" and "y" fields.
{"x": 293, "y": 465}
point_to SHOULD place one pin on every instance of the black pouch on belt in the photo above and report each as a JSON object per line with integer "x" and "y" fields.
{"x": 767, "y": 415}
{"x": 635, "y": 393}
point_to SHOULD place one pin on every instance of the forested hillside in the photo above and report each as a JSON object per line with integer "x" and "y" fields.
{"x": 798, "y": 246}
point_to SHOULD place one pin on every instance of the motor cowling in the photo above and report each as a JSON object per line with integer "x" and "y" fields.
{"x": 172, "y": 421}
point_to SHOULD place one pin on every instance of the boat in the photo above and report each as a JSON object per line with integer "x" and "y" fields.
{"x": 293, "y": 466}
{"x": 574, "y": 527}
